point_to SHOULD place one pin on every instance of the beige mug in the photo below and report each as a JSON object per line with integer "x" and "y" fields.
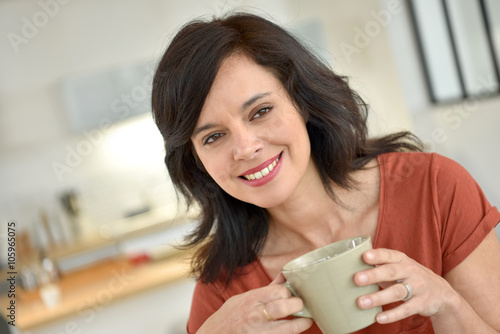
{"x": 324, "y": 279}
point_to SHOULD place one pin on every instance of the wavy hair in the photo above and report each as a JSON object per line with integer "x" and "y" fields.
{"x": 231, "y": 233}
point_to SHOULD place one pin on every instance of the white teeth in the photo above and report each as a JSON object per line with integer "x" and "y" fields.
{"x": 263, "y": 172}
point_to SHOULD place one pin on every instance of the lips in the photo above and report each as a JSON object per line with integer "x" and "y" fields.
{"x": 263, "y": 173}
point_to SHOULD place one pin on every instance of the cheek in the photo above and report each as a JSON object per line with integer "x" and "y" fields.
{"x": 215, "y": 164}
{"x": 293, "y": 128}
{"x": 219, "y": 176}
{"x": 282, "y": 128}
{"x": 215, "y": 168}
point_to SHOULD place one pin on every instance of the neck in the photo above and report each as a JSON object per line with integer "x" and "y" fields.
{"x": 311, "y": 218}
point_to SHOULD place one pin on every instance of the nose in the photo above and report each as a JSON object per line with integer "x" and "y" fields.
{"x": 247, "y": 143}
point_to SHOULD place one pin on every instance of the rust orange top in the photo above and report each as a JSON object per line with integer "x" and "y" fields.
{"x": 430, "y": 208}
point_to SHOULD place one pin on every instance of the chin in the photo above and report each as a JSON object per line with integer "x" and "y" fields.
{"x": 265, "y": 203}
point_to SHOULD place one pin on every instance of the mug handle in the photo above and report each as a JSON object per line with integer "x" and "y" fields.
{"x": 305, "y": 312}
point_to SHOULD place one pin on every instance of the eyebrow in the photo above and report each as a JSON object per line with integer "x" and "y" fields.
{"x": 244, "y": 106}
{"x": 253, "y": 99}
{"x": 202, "y": 128}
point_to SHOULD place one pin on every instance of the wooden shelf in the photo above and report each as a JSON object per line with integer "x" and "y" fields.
{"x": 99, "y": 285}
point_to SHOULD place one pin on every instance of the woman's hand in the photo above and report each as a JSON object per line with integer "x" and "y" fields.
{"x": 431, "y": 295}
{"x": 255, "y": 311}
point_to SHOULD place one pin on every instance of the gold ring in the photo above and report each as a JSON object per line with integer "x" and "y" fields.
{"x": 267, "y": 314}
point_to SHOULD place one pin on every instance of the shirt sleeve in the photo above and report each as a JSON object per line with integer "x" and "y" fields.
{"x": 465, "y": 215}
{"x": 206, "y": 301}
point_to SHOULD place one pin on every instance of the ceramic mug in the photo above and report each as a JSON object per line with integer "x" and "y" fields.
{"x": 324, "y": 279}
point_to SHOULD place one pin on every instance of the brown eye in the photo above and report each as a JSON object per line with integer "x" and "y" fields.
{"x": 212, "y": 138}
{"x": 262, "y": 112}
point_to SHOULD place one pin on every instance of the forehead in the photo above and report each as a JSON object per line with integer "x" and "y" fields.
{"x": 239, "y": 78}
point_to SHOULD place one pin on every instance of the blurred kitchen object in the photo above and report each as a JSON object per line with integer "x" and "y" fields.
{"x": 47, "y": 279}
{"x": 47, "y": 230}
{"x": 25, "y": 250}
{"x": 37, "y": 270}
{"x": 69, "y": 201}
{"x": 27, "y": 257}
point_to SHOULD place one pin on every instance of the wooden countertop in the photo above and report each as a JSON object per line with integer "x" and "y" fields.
{"x": 96, "y": 286}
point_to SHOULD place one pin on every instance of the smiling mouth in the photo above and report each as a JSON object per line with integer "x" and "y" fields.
{"x": 263, "y": 172}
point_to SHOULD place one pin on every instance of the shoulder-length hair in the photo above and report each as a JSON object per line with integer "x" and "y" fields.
{"x": 231, "y": 233}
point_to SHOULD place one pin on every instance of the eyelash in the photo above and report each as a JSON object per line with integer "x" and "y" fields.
{"x": 210, "y": 139}
{"x": 258, "y": 114}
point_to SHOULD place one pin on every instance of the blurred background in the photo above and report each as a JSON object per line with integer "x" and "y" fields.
{"x": 81, "y": 162}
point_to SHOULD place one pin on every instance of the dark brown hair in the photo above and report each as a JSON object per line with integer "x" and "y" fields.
{"x": 232, "y": 232}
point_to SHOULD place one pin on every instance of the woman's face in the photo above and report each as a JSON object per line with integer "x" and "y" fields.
{"x": 250, "y": 138}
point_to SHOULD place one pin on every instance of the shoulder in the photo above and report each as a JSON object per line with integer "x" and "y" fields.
{"x": 402, "y": 160}
{"x": 430, "y": 179}
{"x": 410, "y": 167}
{"x": 437, "y": 184}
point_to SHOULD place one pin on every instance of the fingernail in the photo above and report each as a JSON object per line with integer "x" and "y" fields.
{"x": 362, "y": 278}
{"x": 369, "y": 255}
{"x": 366, "y": 302}
{"x": 381, "y": 318}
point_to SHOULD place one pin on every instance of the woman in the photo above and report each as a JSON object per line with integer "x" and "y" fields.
{"x": 273, "y": 147}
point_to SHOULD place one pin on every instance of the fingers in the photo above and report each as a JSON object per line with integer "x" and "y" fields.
{"x": 401, "y": 279}
{"x": 401, "y": 312}
{"x": 395, "y": 292}
{"x": 273, "y": 292}
{"x": 282, "y": 304}
{"x": 255, "y": 311}
{"x": 282, "y": 308}
{"x": 278, "y": 309}
{"x": 390, "y": 267}
{"x": 383, "y": 255}
{"x": 388, "y": 273}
